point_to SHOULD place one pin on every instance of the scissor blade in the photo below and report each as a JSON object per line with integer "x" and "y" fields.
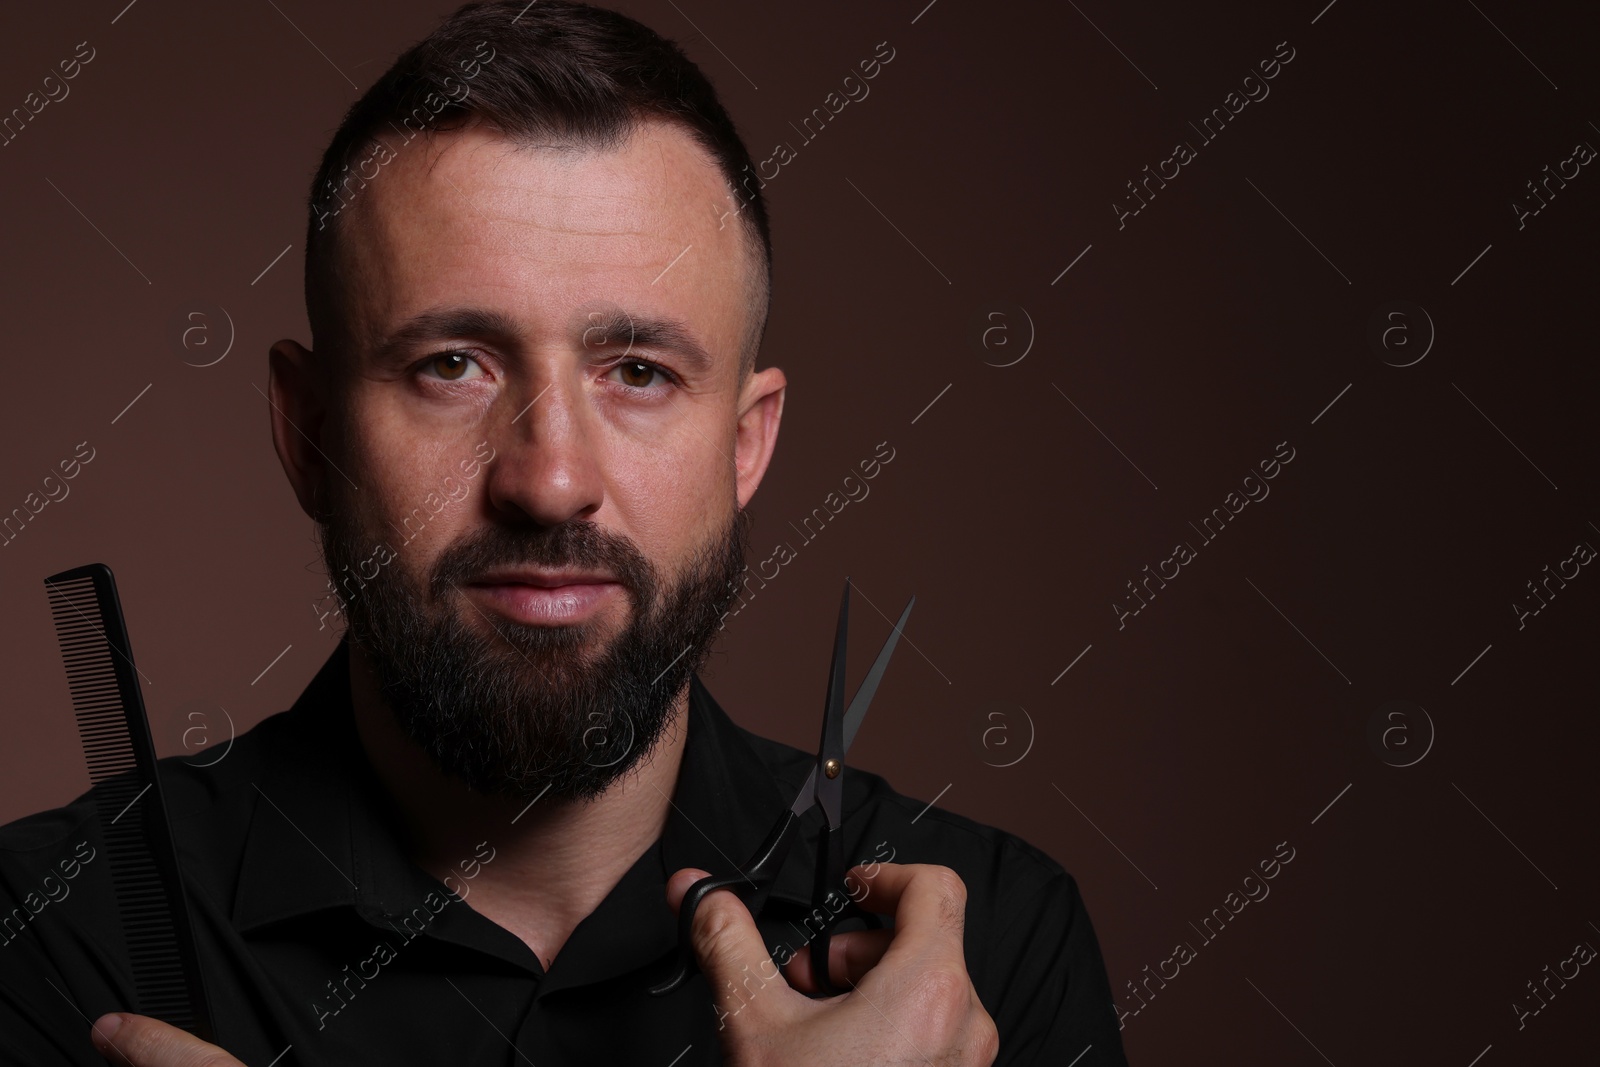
{"x": 857, "y": 710}
{"x": 869, "y": 685}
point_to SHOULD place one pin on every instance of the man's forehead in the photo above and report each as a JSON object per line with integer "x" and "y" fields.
{"x": 471, "y": 218}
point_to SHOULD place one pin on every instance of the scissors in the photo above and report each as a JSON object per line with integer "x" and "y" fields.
{"x": 824, "y": 788}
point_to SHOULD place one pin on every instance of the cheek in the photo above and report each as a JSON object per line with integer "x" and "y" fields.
{"x": 670, "y": 496}
{"x": 406, "y": 471}
{"x": 655, "y": 488}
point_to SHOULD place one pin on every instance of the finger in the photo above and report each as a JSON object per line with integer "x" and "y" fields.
{"x": 929, "y": 905}
{"x": 850, "y": 956}
{"x": 745, "y": 983}
{"x": 136, "y": 1040}
{"x": 679, "y": 884}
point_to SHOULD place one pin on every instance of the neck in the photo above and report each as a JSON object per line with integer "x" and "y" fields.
{"x": 537, "y": 870}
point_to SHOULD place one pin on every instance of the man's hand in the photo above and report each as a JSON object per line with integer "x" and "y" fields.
{"x": 138, "y": 1041}
{"x": 910, "y": 1000}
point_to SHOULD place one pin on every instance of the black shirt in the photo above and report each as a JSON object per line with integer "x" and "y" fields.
{"x": 323, "y": 943}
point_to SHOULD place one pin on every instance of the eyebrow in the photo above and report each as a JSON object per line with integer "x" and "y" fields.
{"x": 440, "y": 323}
{"x": 666, "y": 334}
{"x": 488, "y": 324}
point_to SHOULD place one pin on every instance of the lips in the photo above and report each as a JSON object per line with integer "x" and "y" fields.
{"x": 545, "y": 598}
{"x": 543, "y": 579}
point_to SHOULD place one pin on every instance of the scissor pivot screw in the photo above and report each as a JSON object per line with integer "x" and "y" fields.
{"x": 831, "y": 768}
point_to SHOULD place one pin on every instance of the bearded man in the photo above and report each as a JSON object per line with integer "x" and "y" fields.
{"x": 528, "y": 427}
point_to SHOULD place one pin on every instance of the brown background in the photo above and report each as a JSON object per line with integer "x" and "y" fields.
{"x": 1221, "y": 720}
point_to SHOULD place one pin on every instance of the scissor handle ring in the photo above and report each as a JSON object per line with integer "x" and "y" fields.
{"x": 750, "y": 887}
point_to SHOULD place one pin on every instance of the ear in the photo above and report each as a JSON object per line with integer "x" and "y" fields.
{"x": 297, "y": 389}
{"x": 760, "y": 411}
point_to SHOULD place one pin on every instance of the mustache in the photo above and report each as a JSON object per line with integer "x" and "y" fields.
{"x": 577, "y": 543}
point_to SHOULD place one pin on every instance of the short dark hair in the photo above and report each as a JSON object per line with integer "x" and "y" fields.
{"x": 546, "y": 71}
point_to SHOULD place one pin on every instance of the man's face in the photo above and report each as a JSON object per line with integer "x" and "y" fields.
{"x": 534, "y": 446}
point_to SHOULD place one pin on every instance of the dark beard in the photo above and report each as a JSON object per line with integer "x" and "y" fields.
{"x": 527, "y": 710}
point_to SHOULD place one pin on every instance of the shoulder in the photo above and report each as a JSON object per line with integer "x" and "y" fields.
{"x": 1004, "y": 874}
{"x": 1029, "y": 944}
{"x": 1017, "y": 896}
{"x": 51, "y": 844}
{"x": 206, "y": 799}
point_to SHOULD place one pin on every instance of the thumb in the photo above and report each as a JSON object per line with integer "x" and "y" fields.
{"x": 125, "y": 1038}
{"x": 679, "y": 884}
{"x": 730, "y": 951}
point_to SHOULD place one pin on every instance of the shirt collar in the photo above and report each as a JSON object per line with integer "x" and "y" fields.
{"x": 317, "y": 816}
{"x": 319, "y": 801}
{"x": 728, "y": 798}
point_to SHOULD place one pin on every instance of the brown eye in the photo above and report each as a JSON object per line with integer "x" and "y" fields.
{"x": 451, "y": 366}
{"x": 637, "y": 373}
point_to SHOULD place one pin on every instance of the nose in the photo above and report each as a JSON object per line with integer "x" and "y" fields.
{"x": 546, "y": 468}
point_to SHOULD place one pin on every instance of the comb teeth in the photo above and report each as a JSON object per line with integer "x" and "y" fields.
{"x": 105, "y": 693}
{"x": 92, "y": 679}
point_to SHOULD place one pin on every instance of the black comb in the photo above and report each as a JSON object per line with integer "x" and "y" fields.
{"x": 133, "y": 815}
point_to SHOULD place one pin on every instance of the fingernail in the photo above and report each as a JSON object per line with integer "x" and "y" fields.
{"x": 105, "y": 1028}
